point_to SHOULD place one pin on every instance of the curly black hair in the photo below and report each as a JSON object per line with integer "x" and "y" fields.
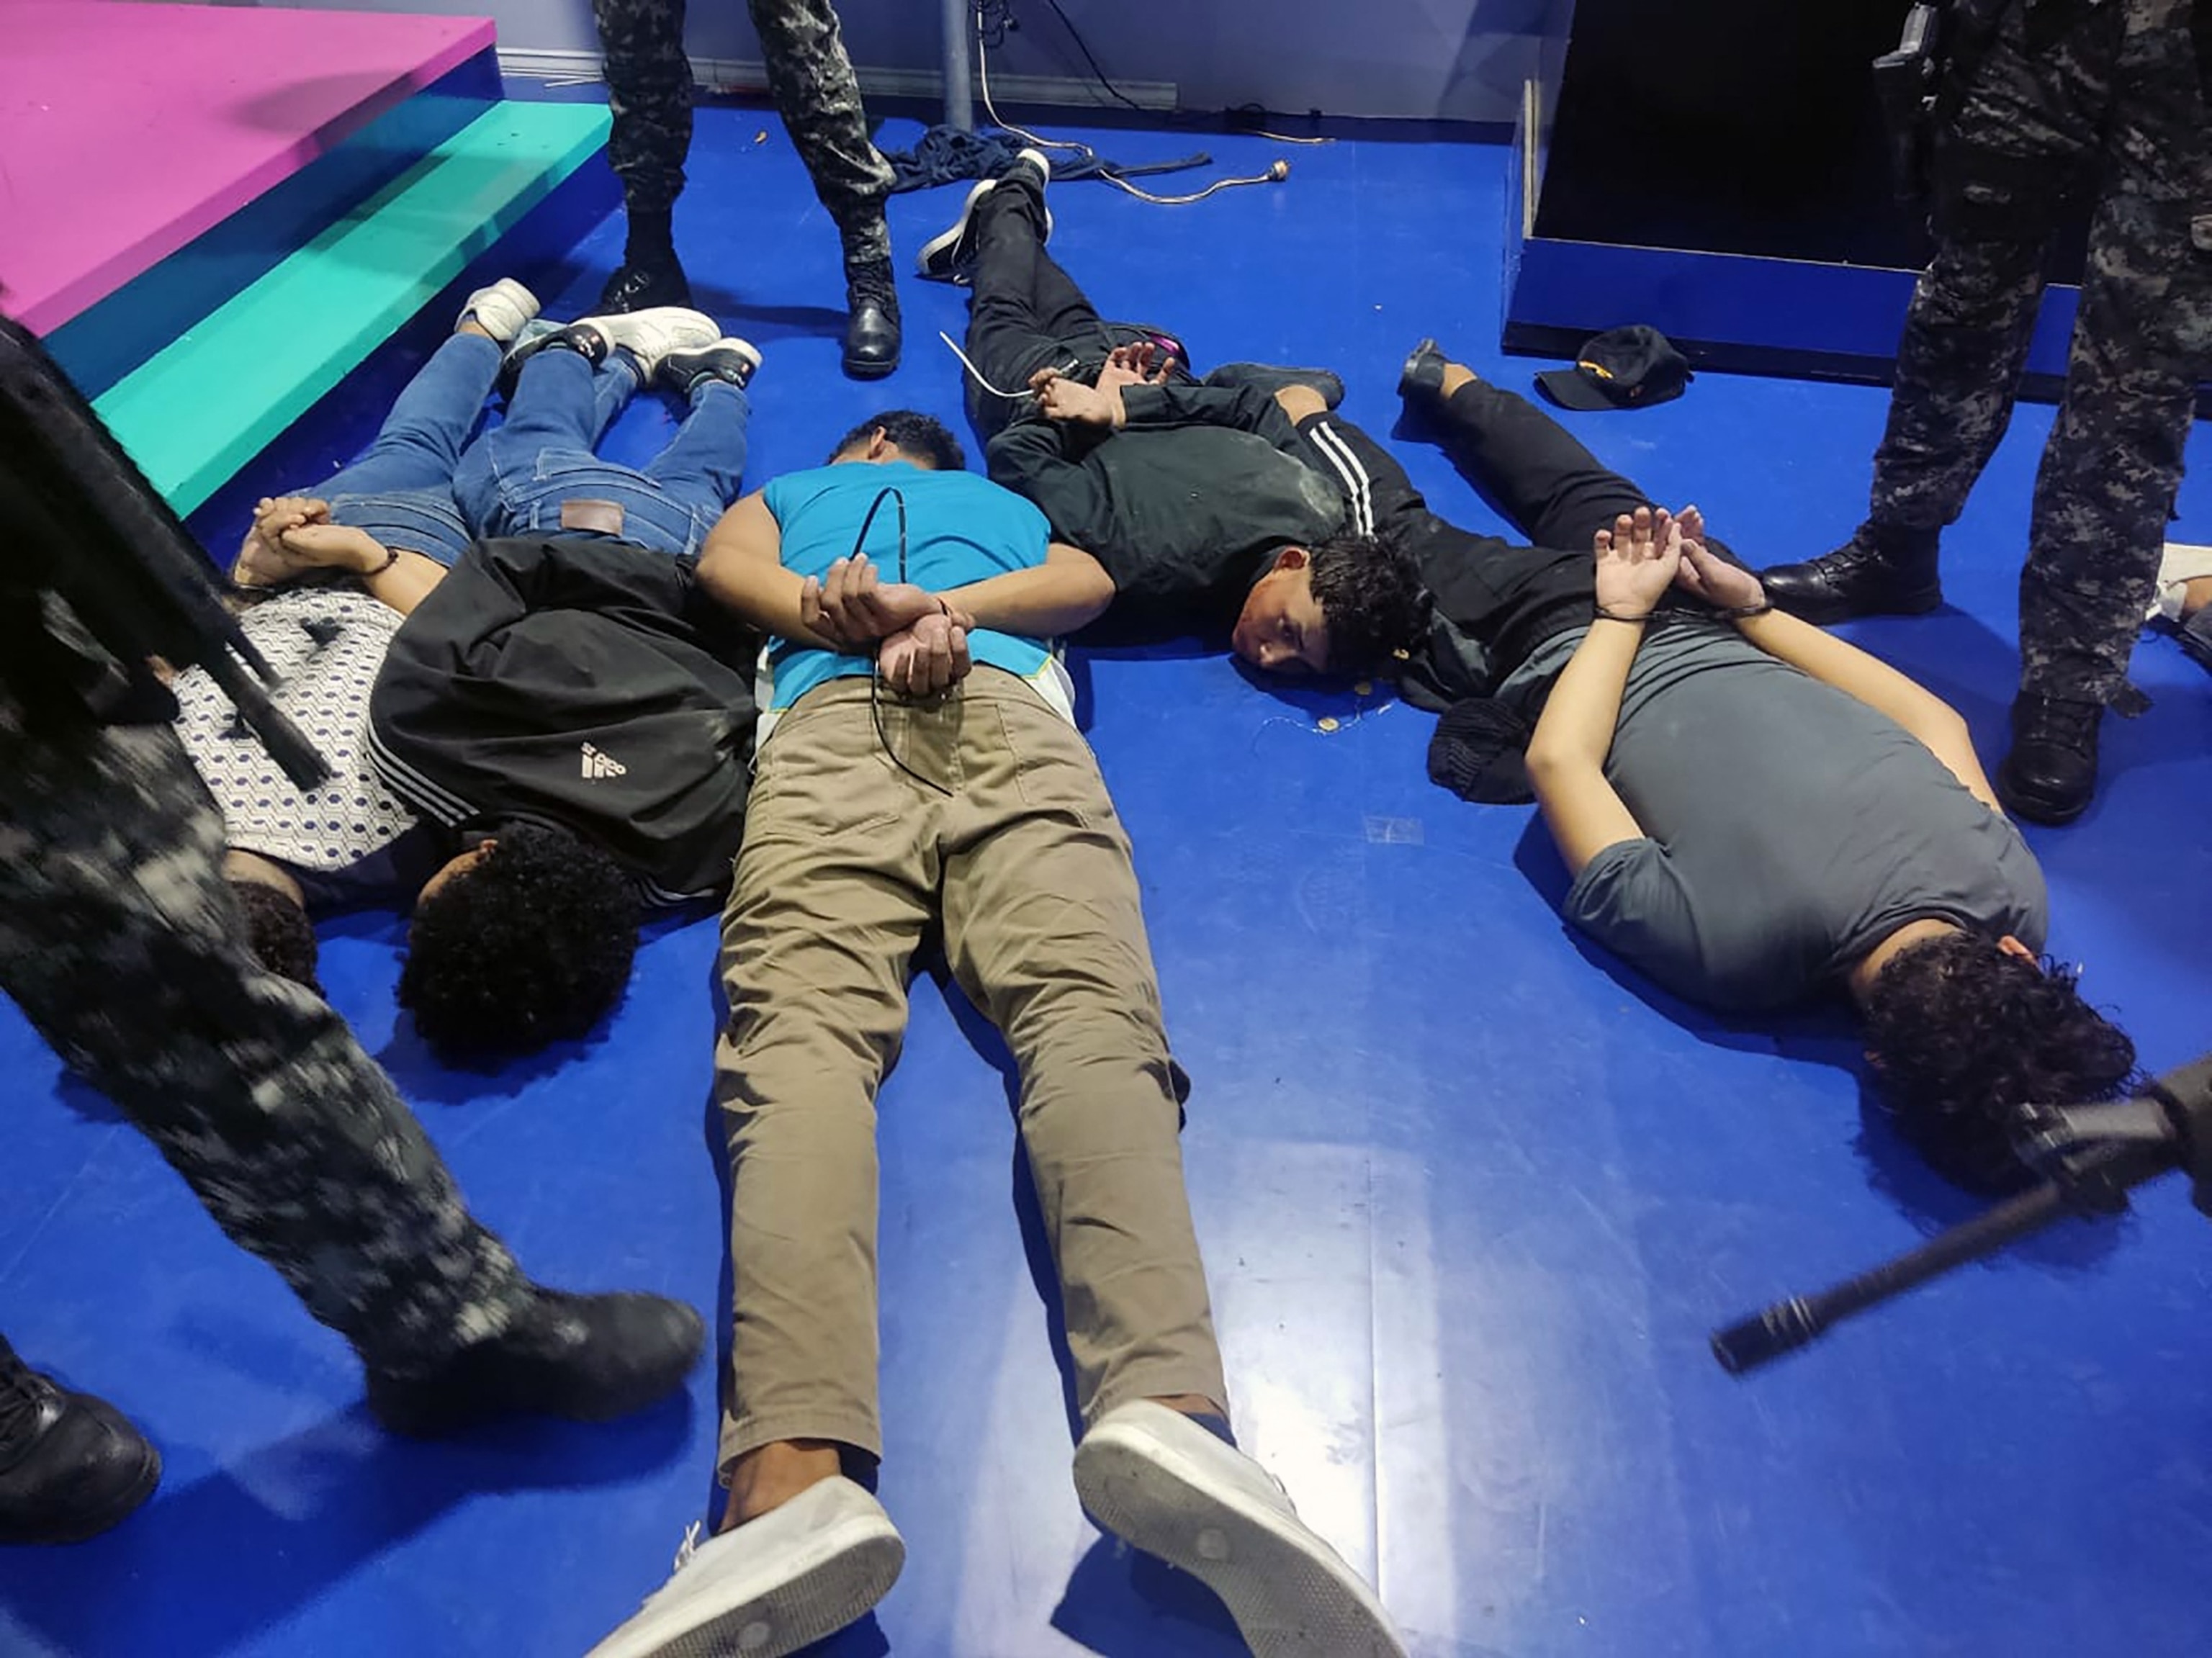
{"x": 279, "y": 934}
{"x": 920, "y": 438}
{"x": 1961, "y": 1034}
{"x": 1370, "y": 590}
{"x": 531, "y": 944}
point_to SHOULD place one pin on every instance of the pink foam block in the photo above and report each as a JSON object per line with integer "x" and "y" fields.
{"x": 127, "y": 130}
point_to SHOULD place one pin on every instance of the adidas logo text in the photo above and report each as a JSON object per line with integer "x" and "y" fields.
{"x": 597, "y": 765}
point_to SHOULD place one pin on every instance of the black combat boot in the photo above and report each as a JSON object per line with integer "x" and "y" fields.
{"x": 1875, "y": 573}
{"x": 2050, "y": 774}
{"x": 588, "y": 1359}
{"x": 70, "y": 1466}
{"x": 872, "y": 331}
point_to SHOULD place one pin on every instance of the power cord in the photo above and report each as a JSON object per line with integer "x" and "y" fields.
{"x": 994, "y": 17}
{"x": 876, "y": 666}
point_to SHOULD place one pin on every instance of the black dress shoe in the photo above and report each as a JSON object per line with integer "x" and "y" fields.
{"x": 642, "y": 284}
{"x": 1875, "y": 573}
{"x": 1272, "y": 378}
{"x": 871, "y": 330}
{"x": 588, "y": 1359}
{"x": 2050, "y": 774}
{"x": 70, "y": 1466}
{"x": 1423, "y": 376}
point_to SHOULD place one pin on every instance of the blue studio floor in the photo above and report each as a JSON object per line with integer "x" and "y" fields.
{"x": 1472, "y": 1196}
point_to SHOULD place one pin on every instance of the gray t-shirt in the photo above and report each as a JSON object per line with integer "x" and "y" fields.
{"x": 1788, "y": 827}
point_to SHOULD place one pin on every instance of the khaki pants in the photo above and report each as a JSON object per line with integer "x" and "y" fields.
{"x": 846, "y": 861}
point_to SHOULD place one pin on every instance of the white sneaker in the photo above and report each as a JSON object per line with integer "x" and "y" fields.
{"x": 772, "y": 1586}
{"x": 1157, "y": 1481}
{"x": 500, "y": 310}
{"x": 649, "y": 336}
{"x": 948, "y": 256}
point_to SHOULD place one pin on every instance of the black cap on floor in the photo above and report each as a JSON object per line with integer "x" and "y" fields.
{"x": 1622, "y": 368}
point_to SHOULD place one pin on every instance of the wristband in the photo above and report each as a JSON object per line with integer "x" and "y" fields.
{"x": 391, "y": 558}
{"x": 1744, "y": 612}
{"x": 1598, "y": 613}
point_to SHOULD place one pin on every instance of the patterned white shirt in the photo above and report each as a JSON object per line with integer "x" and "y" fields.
{"x": 326, "y": 644}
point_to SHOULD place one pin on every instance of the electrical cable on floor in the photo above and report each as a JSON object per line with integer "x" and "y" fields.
{"x": 998, "y": 10}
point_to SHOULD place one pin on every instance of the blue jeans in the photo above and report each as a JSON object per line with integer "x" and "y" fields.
{"x": 401, "y": 491}
{"x": 514, "y": 481}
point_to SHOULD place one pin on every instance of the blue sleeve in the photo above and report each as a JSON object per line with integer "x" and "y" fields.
{"x": 777, "y": 499}
{"x": 1632, "y": 900}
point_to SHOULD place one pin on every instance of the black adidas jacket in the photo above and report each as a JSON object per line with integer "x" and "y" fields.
{"x": 1184, "y": 505}
{"x": 586, "y": 683}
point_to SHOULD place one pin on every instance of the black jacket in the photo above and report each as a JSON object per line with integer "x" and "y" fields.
{"x": 585, "y": 683}
{"x": 1184, "y": 505}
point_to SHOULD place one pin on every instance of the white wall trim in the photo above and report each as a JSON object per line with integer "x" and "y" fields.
{"x": 572, "y": 67}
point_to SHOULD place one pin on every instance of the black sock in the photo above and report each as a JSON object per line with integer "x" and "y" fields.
{"x": 651, "y": 237}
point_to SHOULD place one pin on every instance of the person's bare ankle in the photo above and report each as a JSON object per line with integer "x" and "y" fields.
{"x": 769, "y": 1476}
{"x": 1456, "y": 374}
{"x": 471, "y": 326}
{"x": 2195, "y": 596}
{"x": 1300, "y": 401}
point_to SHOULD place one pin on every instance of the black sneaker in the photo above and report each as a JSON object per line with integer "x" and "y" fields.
{"x": 1422, "y": 379}
{"x": 2050, "y": 776}
{"x": 588, "y": 1359}
{"x": 728, "y": 359}
{"x": 1875, "y": 573}
{"x": 950, "y": 256}
{"x": 70, "y": 1465}
{"x": 646, "y": 285}
{"x": 872, "y": 323}
{"x": 1272, "y": 378}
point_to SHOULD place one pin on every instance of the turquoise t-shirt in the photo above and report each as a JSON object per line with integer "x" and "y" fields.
{"x": 960, "y": 528}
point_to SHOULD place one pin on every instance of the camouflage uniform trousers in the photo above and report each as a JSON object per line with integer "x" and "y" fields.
{"x": 121, "y": 944}
{"x": 649, "y": 90}
{"x": 2112, "y": 95}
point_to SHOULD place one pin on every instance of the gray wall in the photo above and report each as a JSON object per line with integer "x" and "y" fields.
{"x": 1459, "y": 59}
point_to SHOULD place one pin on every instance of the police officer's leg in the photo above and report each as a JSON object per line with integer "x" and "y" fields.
{"x": 819, "y": 98}
{"x": 123, "y": 945}
{"x": 2141, "y": 343}
{"x": 2023, "y": 130}
{"x": 2023, "y": 133}
{"x": 649, "y": 95}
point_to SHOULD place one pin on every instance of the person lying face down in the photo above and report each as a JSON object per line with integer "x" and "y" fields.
{"x": 922, "y": 773}
{"x": 519, "y": 936}
{"x": 1754, "y": 812}
{"x": 525, "y": 914}
{"x": 1224, "y": 506}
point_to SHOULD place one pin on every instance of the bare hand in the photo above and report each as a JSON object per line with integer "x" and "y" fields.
{"x": 926, "y": 660}
{"x": 334, "y": 547}
{"x": 264, "y": 560}
{"x": 1636, "y": 560}
{"x": 855, "y": 606}
{"x": 1060, "y": 398}
{"x": 1723, "y": 585}
{"x": 1140, "y": 364}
